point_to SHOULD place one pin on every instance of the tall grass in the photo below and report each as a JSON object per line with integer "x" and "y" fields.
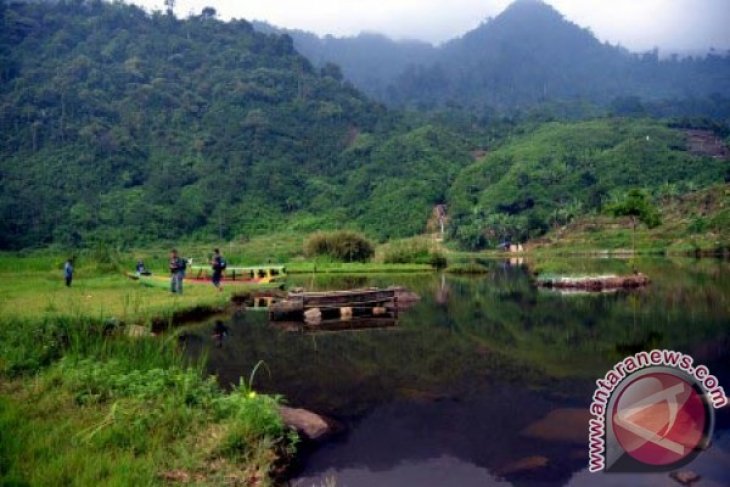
{"x": 342, "y": 245}
{"x": 418, "y": 250}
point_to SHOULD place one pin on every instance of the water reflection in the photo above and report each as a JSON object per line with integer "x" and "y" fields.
{"x": 484, "y": 381}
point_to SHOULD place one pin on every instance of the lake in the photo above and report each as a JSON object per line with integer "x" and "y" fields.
{"x": 485, "y": 380}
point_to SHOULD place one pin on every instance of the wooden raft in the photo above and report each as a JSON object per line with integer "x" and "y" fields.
{"x": 336, "y": 304}
{"x": 596, "y": 283}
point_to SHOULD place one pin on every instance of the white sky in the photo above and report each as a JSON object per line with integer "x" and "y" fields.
{"x": 684, "y": 25}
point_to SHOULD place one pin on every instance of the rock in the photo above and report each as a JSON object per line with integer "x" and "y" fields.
{"x": 379, "y": 311}
{"x": 313, "y": 315}
{"x": 524, "y": 465}
{"x": 309, "y": 425}
{"x": 687, "y": 477}
{"x": 564, "y": 425}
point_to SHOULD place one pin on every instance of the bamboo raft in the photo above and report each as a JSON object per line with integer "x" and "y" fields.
{"x": 595, "y": 283}
{"x": 318, "y": 307}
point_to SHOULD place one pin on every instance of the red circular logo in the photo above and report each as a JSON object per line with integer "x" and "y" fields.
{"x": 660, "y": 419}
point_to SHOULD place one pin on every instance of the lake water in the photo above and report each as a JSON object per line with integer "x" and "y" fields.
{"x": 486, "y": 380}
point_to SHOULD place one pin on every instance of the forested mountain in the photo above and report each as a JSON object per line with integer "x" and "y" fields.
{"x": 126, "y": 127}
{"x": 372, "y": 62}
{"x": 121, "y": 125}
{"x": 531, "y": 54}
{"x": 527, "y": 56}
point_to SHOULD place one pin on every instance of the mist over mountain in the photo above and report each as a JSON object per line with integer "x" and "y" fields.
{"x": 370, "y": 61}
{"x": 528, "y": 55}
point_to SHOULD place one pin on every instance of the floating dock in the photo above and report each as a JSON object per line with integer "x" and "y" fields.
{"x": 317, "y": 307}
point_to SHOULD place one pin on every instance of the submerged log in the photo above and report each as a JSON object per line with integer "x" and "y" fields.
{"x": 595, "y": 283}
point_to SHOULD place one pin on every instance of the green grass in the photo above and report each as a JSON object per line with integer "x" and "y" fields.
{"x": 81, "y": 403}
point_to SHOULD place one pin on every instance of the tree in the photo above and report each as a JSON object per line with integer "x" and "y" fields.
{"x": 209, "y": 13}
{"x": 638, "y": 206}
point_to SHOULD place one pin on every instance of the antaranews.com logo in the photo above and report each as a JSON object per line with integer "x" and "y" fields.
{"x": 652, "y": 412}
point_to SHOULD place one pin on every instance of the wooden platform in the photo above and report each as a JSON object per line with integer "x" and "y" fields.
{"x": 336, "y": 304}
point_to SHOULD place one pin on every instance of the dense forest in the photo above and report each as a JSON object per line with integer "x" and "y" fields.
{"x": 128, "y": 127}
{"x": 527, "y": 56}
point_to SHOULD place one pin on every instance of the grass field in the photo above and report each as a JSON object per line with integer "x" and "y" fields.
{"x": 80, "y": 405}
{"x": 83, "y": 404}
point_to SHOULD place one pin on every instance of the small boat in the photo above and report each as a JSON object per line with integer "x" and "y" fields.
{"x": 256, "y": 277}
{"x": 263, "y": 274}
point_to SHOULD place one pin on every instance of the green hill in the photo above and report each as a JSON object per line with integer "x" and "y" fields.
{"x": 695, "y": 222}
{"x": 126, "y": 127}
{"x": 560, "y": 171}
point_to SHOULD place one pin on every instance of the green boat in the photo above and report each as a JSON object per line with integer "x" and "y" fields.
{"x": 259, "y": 277}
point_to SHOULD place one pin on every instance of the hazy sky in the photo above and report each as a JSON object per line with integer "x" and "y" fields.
{"x": 635, "y": 24}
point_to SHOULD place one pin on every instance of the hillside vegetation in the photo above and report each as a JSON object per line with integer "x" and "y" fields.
{"x": 124, "y": 128}
{"x": 561, "y": 171}
{"x": 696, "y": 222}
{"x": 127, "y": 127}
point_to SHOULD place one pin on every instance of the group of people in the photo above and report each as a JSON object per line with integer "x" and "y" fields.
{"x": 178, "y": 265}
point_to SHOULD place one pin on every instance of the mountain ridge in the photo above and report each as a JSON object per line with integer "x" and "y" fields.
{"x": 527, "y": 55}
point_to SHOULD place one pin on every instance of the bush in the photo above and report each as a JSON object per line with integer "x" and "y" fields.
{"x": 414, "y": 251}
{"x": 341, "y": 245}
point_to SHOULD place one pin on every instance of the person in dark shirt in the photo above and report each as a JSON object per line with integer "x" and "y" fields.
{"x": 68, "y": 272}
{"x": 218, "y": 265}
{"x": 177, "y": 272}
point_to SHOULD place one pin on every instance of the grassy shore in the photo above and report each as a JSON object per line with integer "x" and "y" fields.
{"x": 82, "y": 403}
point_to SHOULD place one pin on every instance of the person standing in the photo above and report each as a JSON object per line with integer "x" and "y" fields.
{"x": 218, "y": 264}
{"x": 177, "y": 272}
{"x": 68, "y": 272}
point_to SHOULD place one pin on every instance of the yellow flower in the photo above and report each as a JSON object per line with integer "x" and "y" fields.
{"x": 252, "y": 394}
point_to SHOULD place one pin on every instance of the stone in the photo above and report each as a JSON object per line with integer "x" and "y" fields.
{"x": 309, "y": 425}
{"x": 313, "y": 315}
{"x": 379, "y": 311}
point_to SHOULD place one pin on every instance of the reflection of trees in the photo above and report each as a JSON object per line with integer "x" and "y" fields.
{"x": 347, "y": 373}
{"x": 583, "y": 335}
{"x": 493, "y": 327}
